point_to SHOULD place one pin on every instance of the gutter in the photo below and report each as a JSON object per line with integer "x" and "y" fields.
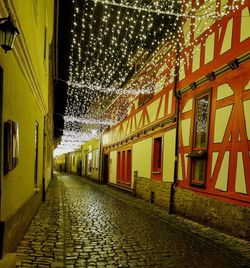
{"x": 177, "y": 111}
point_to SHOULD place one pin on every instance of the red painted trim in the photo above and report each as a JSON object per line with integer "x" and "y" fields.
{"x": 219, "y": 195}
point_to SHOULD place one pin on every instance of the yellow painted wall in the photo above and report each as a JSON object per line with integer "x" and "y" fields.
{"x": 113, "y": 166}
{"x": 142, "y": 157}
{"x": 90, "y": 147}
{"x": 25, "y": 97}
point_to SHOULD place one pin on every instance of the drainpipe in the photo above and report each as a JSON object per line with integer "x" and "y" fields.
{"x": 177, "y": 111}
{"x": 100, "y": 161}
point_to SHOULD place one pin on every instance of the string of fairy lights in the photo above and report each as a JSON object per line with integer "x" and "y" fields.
{"x": 106, "y": 37}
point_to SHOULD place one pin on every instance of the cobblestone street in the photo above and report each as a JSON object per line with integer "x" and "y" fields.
{"x": 82, "y": 224}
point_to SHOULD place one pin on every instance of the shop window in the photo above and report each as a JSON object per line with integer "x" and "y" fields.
{"x": 157, "y": 158}
{"x": 198, "y": 154}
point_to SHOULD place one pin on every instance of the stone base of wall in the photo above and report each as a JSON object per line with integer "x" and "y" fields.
{"x": 226, "y": 217}
{"x": 13, "y": 227}
{"x": 159, "y": 191}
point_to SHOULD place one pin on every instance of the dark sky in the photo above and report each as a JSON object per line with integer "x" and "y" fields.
{"x": 64, "y": 41}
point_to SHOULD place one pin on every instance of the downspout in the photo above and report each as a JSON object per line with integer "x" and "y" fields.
{"x": 100, "y": 161}
{"x": 177, "y": 111}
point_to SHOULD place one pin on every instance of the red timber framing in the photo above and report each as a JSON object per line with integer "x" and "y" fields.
{"x": 230, "y": 153}
{"x": 124, "y": 166}
{"x": 234, "y": 143}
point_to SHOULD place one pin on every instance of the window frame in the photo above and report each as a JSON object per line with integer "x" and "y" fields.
{"x": 199, "y": 153}
{"x": 156, "y": 172}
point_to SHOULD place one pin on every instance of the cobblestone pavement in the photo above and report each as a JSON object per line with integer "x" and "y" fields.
{"x": 87, "y": 225}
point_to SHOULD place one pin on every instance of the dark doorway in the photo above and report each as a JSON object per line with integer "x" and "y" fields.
{"x": 105, "y": 171}
{"x": 79, "y": 167}
{"x": 86, "y": 165}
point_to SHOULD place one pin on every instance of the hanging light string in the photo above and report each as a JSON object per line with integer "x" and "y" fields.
{"x": 110, "y": 34}
{"x": 226, "y": 10}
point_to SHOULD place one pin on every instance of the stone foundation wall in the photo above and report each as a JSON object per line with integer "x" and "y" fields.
{"x": 226, "y": 217}
{"x": 161, "y": 191}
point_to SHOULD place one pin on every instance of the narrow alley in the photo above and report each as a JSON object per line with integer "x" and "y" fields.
{"x": 83, "y": 224}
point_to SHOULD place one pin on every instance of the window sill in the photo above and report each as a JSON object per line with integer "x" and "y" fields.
{"x": 200, "y": 184}
{"x": 156, "y": 172}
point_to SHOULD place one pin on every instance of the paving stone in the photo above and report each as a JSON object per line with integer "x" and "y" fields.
{"x": 82, "y": 224}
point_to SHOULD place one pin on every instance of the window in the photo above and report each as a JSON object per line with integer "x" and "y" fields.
{"x": 157, "y": 158}
{"x": 198, "y": 154}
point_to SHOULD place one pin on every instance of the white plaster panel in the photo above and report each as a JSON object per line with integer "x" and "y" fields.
{"x": 240, "y": 183}
{"x": 160, "y": 84}
{"x": 138, "y": 117}
{"x": 170, "y": 101}
{"x": 214, "y": 160}
{"x": 186, "y": 163}
{"x": 245, "y": 22}
{"x": 222, "y": 179}
{"x": 188, "y": 106}
{"x": 247, "y": 116}
{"x": 142, "y": 156}
{"x": 247, "y": 86}
{"x": 180, "y": 176}
{"x": 162, "y": 109}
{"x": 224, "y": 91}
{"x": 186, "y": 32}
{"x": 169, "y": 155}
{"x": 196, "y": 58}
{"x": 136, "y": 103}
{"x": 127, "y": 129}
{"x": 227, "y": 41}
{"x": 182, "y": 70}
{"x": 152, "y": 110}
{"x": 223, "y": 5}
{"x": 125, "y": 125}
{"x": 161, "y": 70}
{"x": 222, "y": 116}
{"x": 133, "y": 123}
{"x": 185, "y": 126}
{"x": 106, "y": 139}
{"x": 209, "y": 48}
{"x": 113, "y": 166}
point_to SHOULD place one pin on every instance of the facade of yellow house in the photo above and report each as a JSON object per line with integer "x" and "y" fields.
{"x": 26, "y": 100}
{"x": 83, "y": 162}
{"x": 90, "y": 153}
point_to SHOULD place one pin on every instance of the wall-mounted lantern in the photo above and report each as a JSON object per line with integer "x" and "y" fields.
{"x": 8, "y": 32}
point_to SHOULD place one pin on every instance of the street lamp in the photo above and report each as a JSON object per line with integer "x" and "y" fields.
{"x": 8, "y": 33}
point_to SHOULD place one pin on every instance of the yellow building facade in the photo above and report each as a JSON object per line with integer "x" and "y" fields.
{"x": 26, "y": 99}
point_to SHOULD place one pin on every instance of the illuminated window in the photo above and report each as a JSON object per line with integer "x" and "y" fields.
{"x": 200, "y": 139}
{"x": 157, "y": 158}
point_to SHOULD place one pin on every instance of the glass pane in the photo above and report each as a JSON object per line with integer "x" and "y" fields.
{"x": 201, "y": 124}
{"x": 199, "y": 170}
